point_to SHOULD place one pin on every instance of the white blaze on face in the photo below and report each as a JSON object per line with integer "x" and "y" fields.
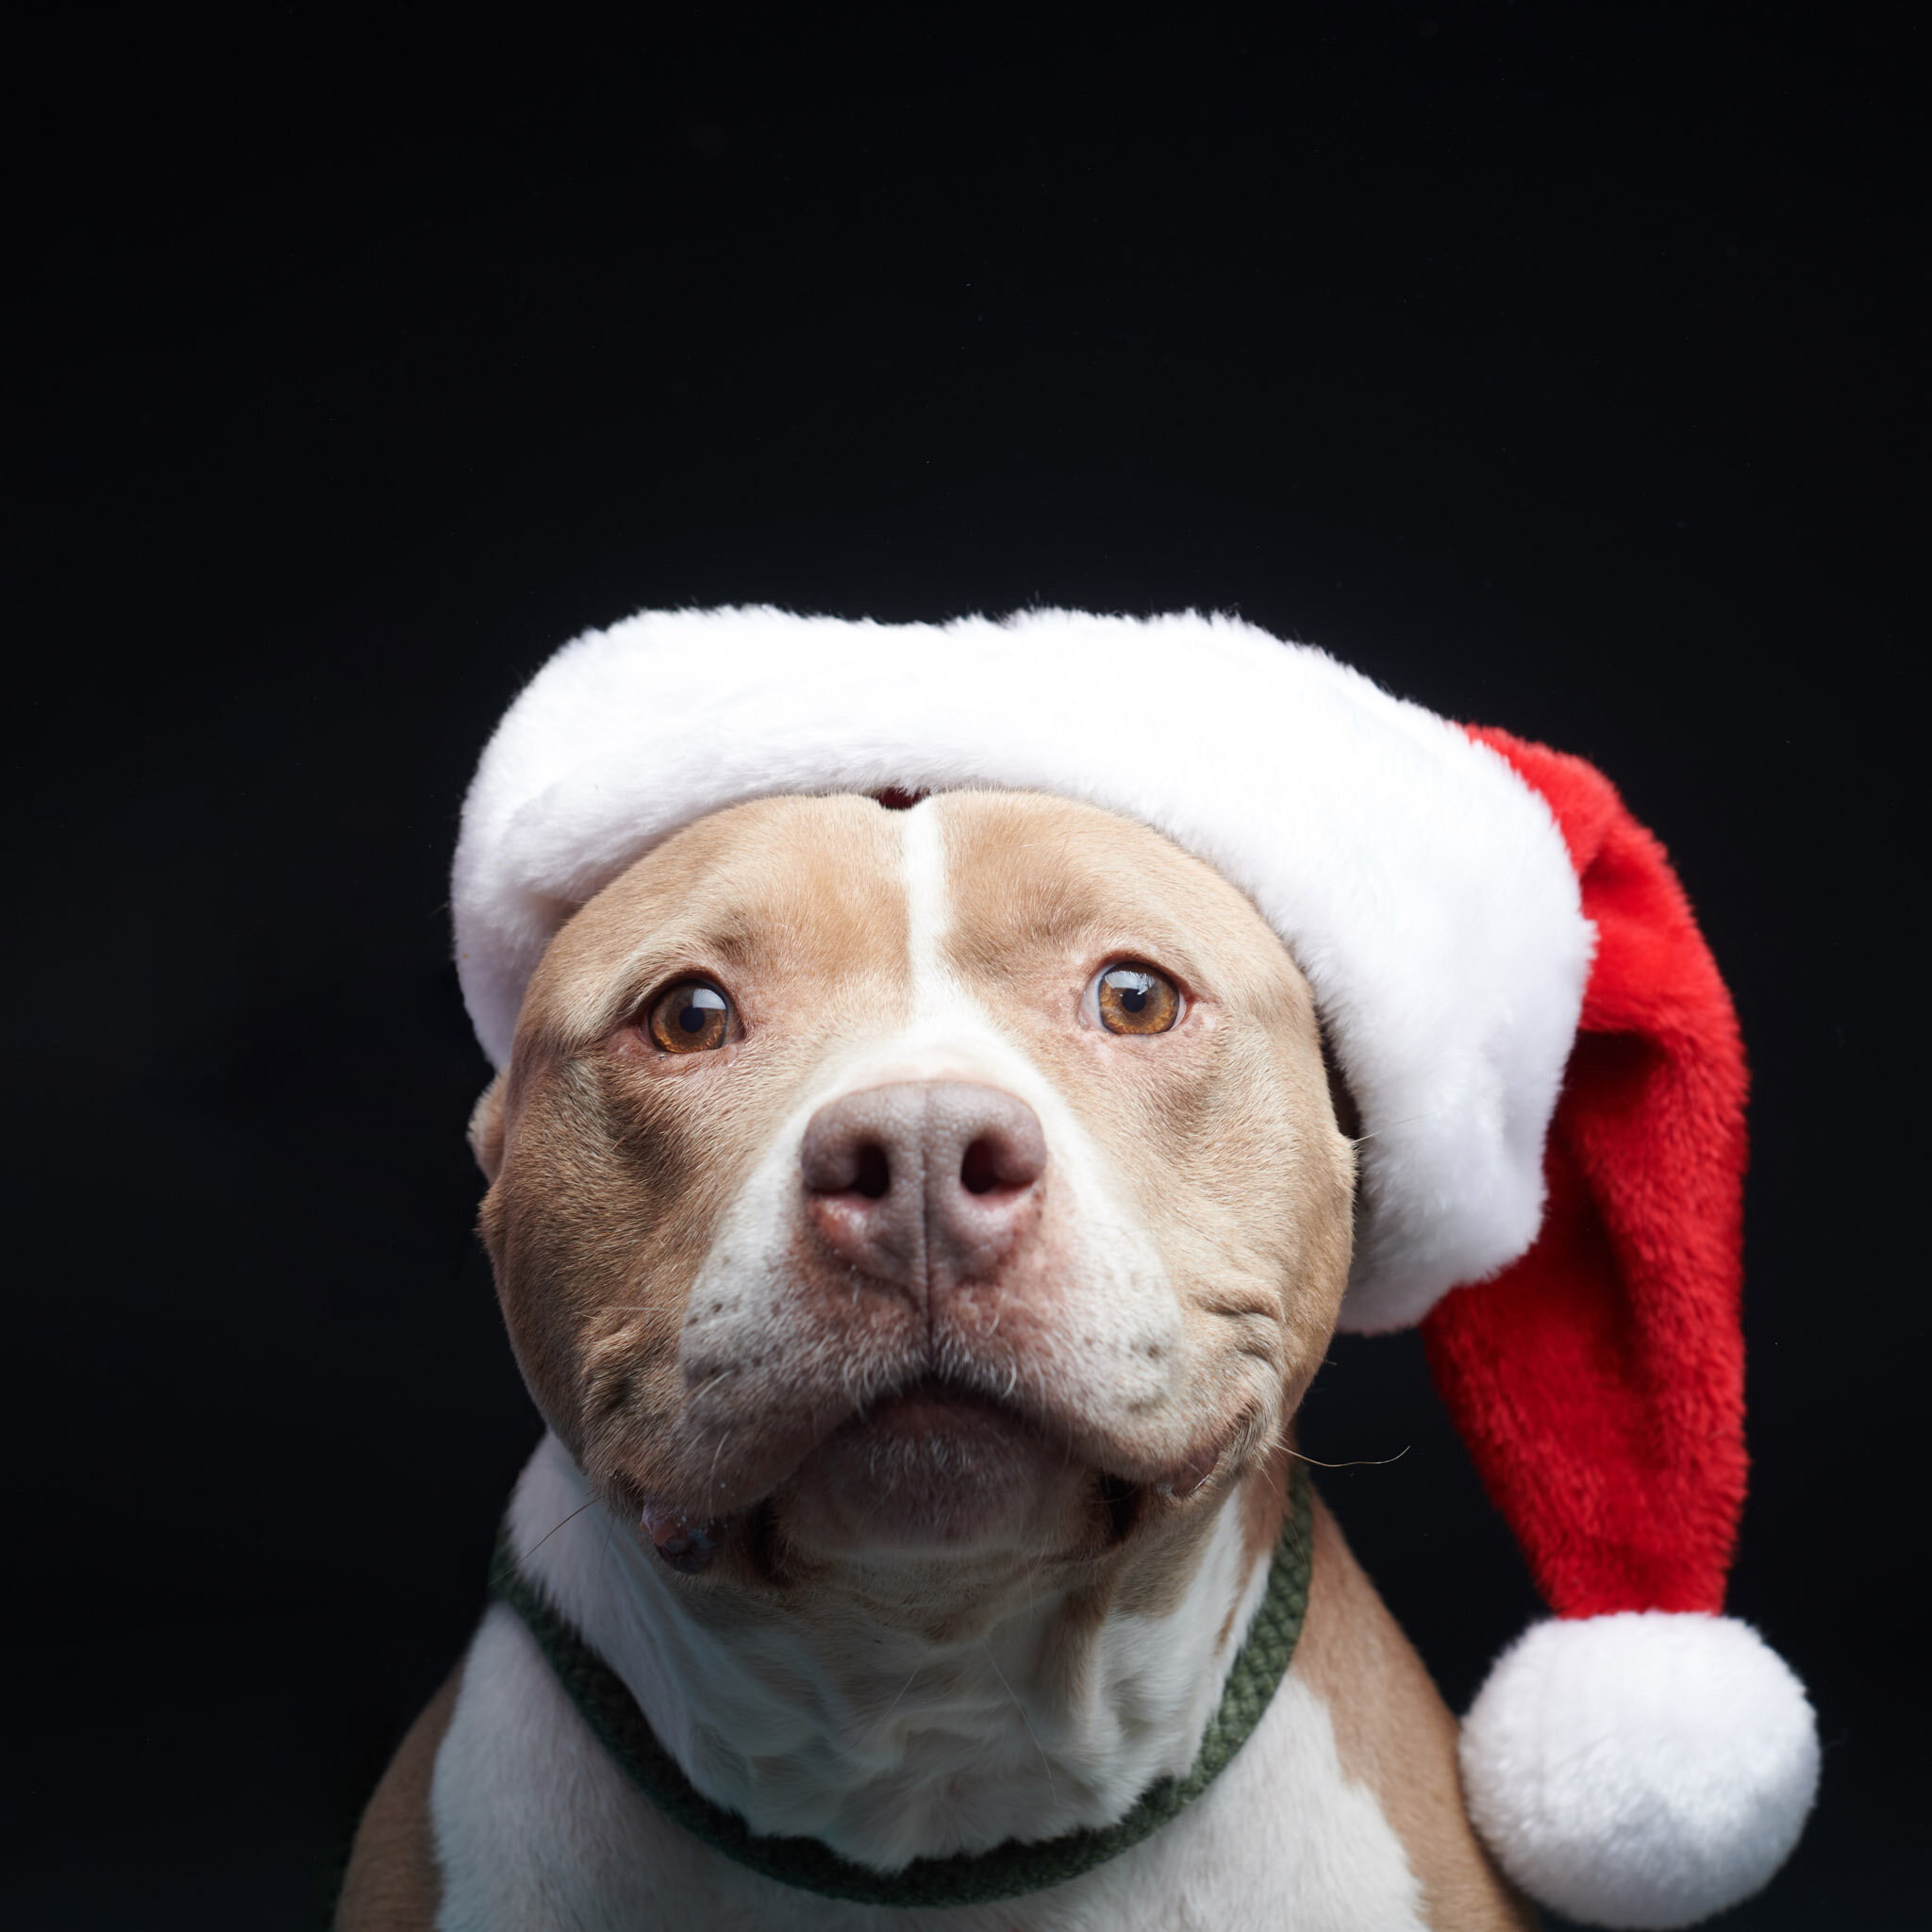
{"x": 1112, "y": 1350}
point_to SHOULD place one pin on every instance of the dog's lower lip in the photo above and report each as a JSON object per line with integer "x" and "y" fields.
{"x": 930, "y": 1400}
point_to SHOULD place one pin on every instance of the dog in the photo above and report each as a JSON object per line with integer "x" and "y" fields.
{"x": 917, "y": 1222}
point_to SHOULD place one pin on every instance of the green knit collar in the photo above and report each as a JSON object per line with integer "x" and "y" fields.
{"x": 1008, "y": 1870}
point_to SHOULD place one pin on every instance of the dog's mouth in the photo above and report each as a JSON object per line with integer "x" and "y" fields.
{"x": 932, "y": 1467}
{"x": 938, "y": 1464}
{"x": 929, "y": 1408}
{"x": 924, "y": 1468}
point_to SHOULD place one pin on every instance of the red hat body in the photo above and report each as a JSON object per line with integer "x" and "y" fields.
{"x": 1599, "y": 1381}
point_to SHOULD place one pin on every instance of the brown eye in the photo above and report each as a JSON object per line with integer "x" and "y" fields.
{"x": 1136, "y": 999}
{"x": 691, "y": 1017}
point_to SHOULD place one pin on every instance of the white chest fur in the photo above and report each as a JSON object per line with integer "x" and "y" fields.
{"x": 887, "y": 1754}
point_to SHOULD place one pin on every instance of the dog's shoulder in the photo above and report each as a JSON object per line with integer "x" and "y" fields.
{"x": 394, "y": 1880}
{"x": 536, "y": 1825}
{"x": 1397, "y": 1736}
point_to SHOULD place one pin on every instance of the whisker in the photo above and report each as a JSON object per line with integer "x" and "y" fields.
{"x": 903, "y": 1689}
{"x": 1045, "y": 1763}
{"x": 1365, "y": 1462}
{"x": 549, "y": 1533}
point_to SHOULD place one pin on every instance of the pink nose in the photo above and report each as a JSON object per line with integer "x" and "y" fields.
{"x": 924, "y": 1184}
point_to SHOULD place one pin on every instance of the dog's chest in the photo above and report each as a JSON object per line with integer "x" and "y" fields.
{"x": 536, "y": 1826}
{"x": 879, "y": 1739}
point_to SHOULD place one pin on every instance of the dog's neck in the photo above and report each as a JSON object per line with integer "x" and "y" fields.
{"x": 873, "y": 1735}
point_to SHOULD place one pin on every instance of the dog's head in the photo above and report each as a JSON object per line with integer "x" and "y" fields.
{"x": 874, "y": 1184}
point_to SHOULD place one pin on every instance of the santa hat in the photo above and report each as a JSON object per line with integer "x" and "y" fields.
{"x": 1545, "y": 1063}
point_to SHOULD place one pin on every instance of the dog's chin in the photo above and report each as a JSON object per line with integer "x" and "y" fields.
{"x": 936, "y": 1469}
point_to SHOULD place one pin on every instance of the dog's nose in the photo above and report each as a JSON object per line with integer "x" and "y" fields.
{"x": 925, "y": 1183}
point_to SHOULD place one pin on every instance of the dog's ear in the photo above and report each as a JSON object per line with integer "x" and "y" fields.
{"x": 486, "y": 1130}
{"x": 1348, "y": 1116}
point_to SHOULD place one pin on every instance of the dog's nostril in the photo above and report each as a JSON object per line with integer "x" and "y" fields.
{"x": 874, "y": 1176}
{"x": 894, "y": 1145}
{"x": 984, "y": 1166}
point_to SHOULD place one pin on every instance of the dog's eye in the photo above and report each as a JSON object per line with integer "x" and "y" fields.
{"x": 691, "y": 1017}
{"x": 1136, "y": 999}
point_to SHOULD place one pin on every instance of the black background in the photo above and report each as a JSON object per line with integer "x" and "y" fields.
{"x": 1562, "y": 368}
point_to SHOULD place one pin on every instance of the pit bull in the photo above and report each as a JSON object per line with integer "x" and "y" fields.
{"x": 917, "y": 1222}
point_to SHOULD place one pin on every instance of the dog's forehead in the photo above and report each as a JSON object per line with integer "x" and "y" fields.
{"x": 1027, "y": 875}
{"x": 805, "y": 876}
{"x": 833, "y": 887}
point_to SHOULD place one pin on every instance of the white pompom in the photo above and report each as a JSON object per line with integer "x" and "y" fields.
{"x": 1644, "y": 1769}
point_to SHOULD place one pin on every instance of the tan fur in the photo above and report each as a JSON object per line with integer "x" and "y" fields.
{"x": 1397, "y": 1735}
{"x": 393, "y": 1882}
{"x": 1238, "y": 1159}
{"x": 614, "y": 1162}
